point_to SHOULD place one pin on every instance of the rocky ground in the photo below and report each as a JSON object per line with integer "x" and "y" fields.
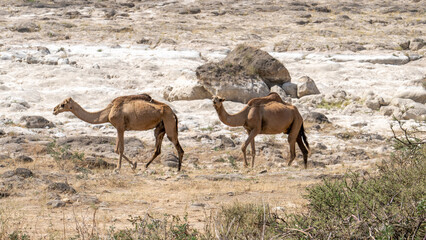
{"x": 366, "y": 59}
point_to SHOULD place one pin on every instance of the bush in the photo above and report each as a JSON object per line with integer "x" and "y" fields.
{"x": 389, "y": 205}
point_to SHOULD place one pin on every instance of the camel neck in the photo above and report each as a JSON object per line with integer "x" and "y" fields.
{"x": 91, "y": 117}
{"x": 233, "y": 120}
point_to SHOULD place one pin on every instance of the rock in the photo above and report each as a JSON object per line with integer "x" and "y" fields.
{"x": 405, "y": 45}
{"x": 230, "y": 82}
{"x": 307, "y": 86}
{"x": 93, "y": 162}
{"x": 226, "y": 142}
{"x": 30, "y": 59}
{"x": 372, "y": 103}
{"x": 3, "y": 157}
{"x": 186, "y": 92}
{"x": 190, "y": 10}
{"x": 84, "y": 199}
{"x": 109, "y": 13}
{"x": 220, "y": 177}
{"x": 198, "y": 205}
{"x": 259, "y": 62}
{"x": 418, "y": 114}
{"x": 417, "y": 44}
{"x": 56, "y": 203}
{"x": 36, "y": 122}
{"x": 280, "y": 91}
{"x": 389, "y": 110}
{"x": 72, "y": 14}
{"x": 2, "y": 132}
{"x": 128, "y": 4}
{"x": 26, "y": 27}
{"x": 417, "y": 94}
{"x": 24, "y": 159}
{"x": 322, "y": 9}
{"x": 60, "y": 187}
{"x": 8, "y": 174}
{"x": 315, "y": 117}
{"x": 321, "y": 146}
{"x": 23, "y": 172}
{"x": 171, "y": 160}
{"x": 43, "y": 50}
{"x": 290, "y": 89}
{"x": 410, "y": 109}
{"x": 339, "y": 95}
{"x": 245, "y": 73}
{"x": 4, "y": 194}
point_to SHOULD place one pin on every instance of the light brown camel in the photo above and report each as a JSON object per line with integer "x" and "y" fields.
{"x": 271, "y": 117}
{"x": 134, "y": 112}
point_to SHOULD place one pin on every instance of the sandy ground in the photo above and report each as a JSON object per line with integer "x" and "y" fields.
{"x": 108, "y": 49}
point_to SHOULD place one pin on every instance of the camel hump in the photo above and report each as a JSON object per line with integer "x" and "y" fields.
{"x": 272, "y": 97}
{"x": 125, "y": 99}
{"x": 145, "y": 96}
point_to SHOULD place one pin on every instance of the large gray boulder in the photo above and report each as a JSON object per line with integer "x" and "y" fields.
{"x": 231, "y": 82}
{"x": 245, "y": 73}
{"x": 259, "y": 62}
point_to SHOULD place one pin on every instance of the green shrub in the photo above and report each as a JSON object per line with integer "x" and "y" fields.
{"x": 389, "y": 205}
{"x": 148, "y": 227}
{"x": 62, "y": 153}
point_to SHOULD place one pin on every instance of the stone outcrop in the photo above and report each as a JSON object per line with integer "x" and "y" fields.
{"x": 245, "y": 73}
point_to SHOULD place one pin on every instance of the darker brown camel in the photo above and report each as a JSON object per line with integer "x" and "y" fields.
{"x": 267, "y": 115}
{"x": 134, "y": 112}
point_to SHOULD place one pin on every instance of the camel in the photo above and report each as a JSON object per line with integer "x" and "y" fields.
{"x": 133, "y": 112}
{"x": 273, "y": 96}
{"x": 267, "y": 116}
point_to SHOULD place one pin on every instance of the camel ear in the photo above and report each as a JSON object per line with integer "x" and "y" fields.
{"x": 222, "y": 99}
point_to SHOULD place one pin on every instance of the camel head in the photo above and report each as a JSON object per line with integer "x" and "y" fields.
{"x": 65, "y": 106}
{"x": 217, "y": 101}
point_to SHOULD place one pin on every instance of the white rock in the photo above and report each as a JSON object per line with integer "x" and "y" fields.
{"x": 306, "y": 86}
{"x": 417, "y": 94}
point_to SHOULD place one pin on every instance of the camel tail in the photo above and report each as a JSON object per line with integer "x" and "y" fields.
{"x": 176, "y": 118}
{"x": 304, "y": 138}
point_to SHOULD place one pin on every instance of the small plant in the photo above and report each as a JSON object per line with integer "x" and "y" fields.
{"x": 148, "y": 227}
{"x": 333, "y": 105}
{"x": 18, "y": 235}
{"x": 61, "y": 154}
{"x": 232, "y": 161}
{"x": 209, "y": 128}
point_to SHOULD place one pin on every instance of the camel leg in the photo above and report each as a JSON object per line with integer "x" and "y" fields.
{"x": 292, "y": 143}
{"x": 250, "y": 138}
{"x": 119, "y": 147}
{"x": 253, "y": 152}
{"x": 120, "y": 150}
{"x": 180, "y": 152}
{"x": 170, "y": 124}
{"x": 134, "y": 164}
{"x": 304, "y": 150}
{"x": 159, "y": 135}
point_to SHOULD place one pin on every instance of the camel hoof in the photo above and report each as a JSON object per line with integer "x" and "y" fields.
{"x": 135, "y": 165}
{"x": 116, "y": 170}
